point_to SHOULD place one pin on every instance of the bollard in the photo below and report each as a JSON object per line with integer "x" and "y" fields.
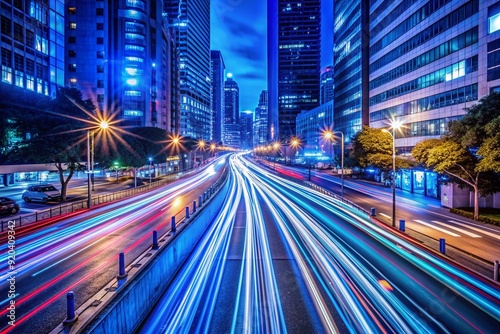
{"x": 442, "y": 245}
{"x": 187, "y": 212}
{"x": 194, "y": 206}
{"x": 372, "y": 210}
{"x": 200, "y": 201}
{"x": 173, "y": 228}
{"x": 121, "y": 266}
{"x": 402, "y": 225}
{"x": 495, "y": 271}
{"x": 70, "y": 308}
{"x": 155, "y": 239}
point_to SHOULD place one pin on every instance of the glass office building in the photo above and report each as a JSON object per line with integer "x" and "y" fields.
{"x": 191, "y": 20}
{"x": 33, "y": 46}
{"x": 294, "y": 63}
{"x": 350, "y": 66}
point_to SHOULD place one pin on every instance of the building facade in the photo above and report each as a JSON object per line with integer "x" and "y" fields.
{"x": 191, "y": 22}
{"x": 351, "y": 41}
{"x": 260, "y": 136}
{"x": 218, "y": 70}
{"x": 326, "y": 85}
{"x": 246, "y": 126}
{"x": 33, "y": 45}
{"x": 119, "y": 54}
{"x": 231, "y": 125}
{"x": 310, "y": 127}
{"x": 293, "y": 63}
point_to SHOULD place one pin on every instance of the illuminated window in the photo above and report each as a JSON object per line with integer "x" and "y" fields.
{"x": 494, "y": 23}
{"x": 30, "y": 82}
{"x": 72, "y": 25}
{"x": 72, "y": 67}
{"x": 72, "y": 10}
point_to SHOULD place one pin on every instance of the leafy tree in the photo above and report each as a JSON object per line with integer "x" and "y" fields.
{"x": 55, "y": 131}
{"x": 373, "y": 148}
{"x": 469, "y": 153}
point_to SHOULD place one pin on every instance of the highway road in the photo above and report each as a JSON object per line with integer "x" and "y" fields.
{"x": 424, "y": 216}
{"x": 79, "y": 252}
{"x": 284, "y": 258}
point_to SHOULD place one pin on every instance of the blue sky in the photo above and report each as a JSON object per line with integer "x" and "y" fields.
{"x": 239, "y": 31}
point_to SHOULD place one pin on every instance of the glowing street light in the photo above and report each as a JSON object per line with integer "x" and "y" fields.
{"x": 295, "y": 142}
{"x": 103, "y": 125}
{"x": 342, "y": 163}
{"x": 328, "y": 135}
{"x": 394, "y": 125}
{"x": 150, "y": 161}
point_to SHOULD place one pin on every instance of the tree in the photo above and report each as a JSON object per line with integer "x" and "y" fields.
{"x": 469, "y": 153}
{"x": 55, "y": 131}
{"x": 373, "y": 148}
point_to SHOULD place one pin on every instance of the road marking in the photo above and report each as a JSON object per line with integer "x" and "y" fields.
{"x": 470, "y": 234}
{"x": 496, "y": 236}
{"x": 386, "y": 216}
{"x": 436, "y": 228}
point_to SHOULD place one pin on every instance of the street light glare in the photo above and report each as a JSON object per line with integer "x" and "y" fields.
{"x": 104, "y": 125}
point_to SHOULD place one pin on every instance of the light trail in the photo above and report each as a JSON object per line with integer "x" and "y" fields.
{"x": 373, "y": 279}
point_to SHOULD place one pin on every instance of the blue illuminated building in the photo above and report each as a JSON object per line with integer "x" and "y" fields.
{"x": 293, "y": 63}
{"x": 218, "y": 69}
{"x": 261, "y": 120}
{"x": 310, "y": 127}
{"x": 33, "y": 46}
{"x": 351, "y": 66}
{"x": 191, "y": 22}
{"x": 231, "y": 135}
{"x": 119, "y": 54}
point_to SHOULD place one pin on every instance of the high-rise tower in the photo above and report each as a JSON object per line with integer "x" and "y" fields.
{"x": 293, "y": 62}
{"x": 191, "y": 20}
{"x": 218, "y": 69}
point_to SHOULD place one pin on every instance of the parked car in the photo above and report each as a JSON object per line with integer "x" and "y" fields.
{"x": 44, "y": 193}
{"x": 8, "y": 205}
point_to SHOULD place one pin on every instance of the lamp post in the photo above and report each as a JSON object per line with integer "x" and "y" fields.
{"x": 90, "y": 160}
{"x": 116, "y": 168}
{"x": 276, "y": 146}
{"x": 295, "y": 143}
{"x": 328, "y": 135}
{"x": 394, "y": 125}
{"x": 150, "y": 160}
{"x": 341, "y": 163}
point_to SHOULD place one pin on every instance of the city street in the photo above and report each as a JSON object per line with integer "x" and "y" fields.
{"x": 285, "y": 258}
{"x": 80, "y": 253}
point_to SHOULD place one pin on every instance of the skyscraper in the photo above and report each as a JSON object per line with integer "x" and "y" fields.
{"x": 191, "y": 19}
{"x": 326, "y": 85}
{"x": 31, "y": 32}
{"x": 261, "y": 120}
{"x": 120, "y": 56}
{"x": 428, "y": 63}
{"x": 231, "y": 130}
{"x": 293, "y": 62}
{"x": 351, "y": 54}
{"x": 218, "y": 95}
{"x": 246, "y": 128}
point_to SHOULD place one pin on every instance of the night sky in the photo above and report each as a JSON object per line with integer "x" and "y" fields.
{"x": 239, "y": 31}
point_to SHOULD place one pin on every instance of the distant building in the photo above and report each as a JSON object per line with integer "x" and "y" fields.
{"x": 326, "y": 85}
{"x": 231, "y": 129}
{"x": 30, "y": 39}
{"x": 111, "y": 58}
{"x": 261, "y": 120}
{"x": 350, "y": 64}
{"x": 218, "y": 94}
{"x": 310, "y": 126}
{"x": 191, "y": 20}
{"x": 293, "y": 63}
{"x": 246, "y": 126}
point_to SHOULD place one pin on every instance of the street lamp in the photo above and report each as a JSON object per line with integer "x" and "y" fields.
{"x": 341, "y": 163}
{"x": 328, "y": 135}
{"x": 295, "y": 143}
{"x": 201, "y": 146}
{"x": 150, "y": 160}
{"x": 276, "y": 146}
{"x": 394, "y": 125}
{"x": 103, "y": 125}
{"x": 212, "y": 148}
{"x": 116, "y": 168}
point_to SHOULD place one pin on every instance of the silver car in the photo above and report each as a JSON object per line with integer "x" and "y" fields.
{"x": 44, "y": 193}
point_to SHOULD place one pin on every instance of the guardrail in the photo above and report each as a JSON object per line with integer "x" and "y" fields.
{"x": 26, "y": 219}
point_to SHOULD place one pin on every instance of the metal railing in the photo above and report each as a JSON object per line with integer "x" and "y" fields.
{"x": 26, "y": 219}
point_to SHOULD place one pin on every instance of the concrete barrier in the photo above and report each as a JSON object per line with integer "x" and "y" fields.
{"x": 121, "y": 305}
